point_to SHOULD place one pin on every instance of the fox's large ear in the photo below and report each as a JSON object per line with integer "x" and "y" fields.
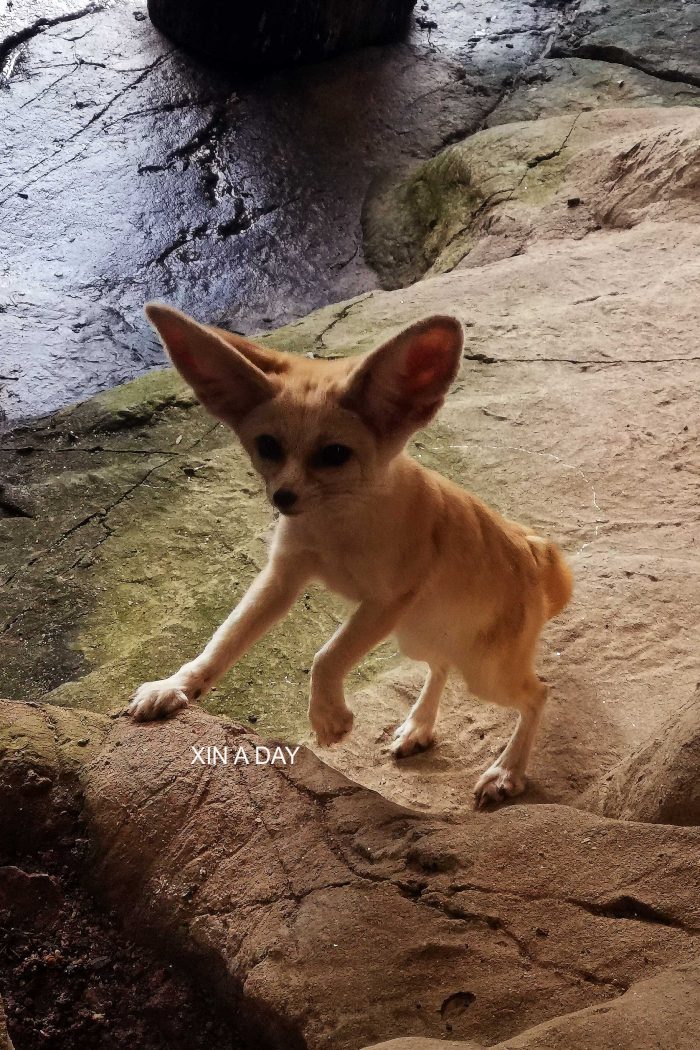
{"x": 226, "y": 383}
{"x": 263, "y": 357}
{"x": 400, "y": 386}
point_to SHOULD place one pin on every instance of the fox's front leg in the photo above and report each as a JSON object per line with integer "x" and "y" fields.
{"x": 269, "y": 597}
{"x": 369, "y": 625}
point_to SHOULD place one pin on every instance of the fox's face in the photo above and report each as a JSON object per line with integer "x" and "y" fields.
{"x": 320, "y": 433}
{"x": 309, "y": 450}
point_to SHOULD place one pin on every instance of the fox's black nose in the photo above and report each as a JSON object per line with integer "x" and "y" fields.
{"x": 283, "y": 499}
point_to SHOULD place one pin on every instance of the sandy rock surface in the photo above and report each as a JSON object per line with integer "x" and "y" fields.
{"x": 659, "y": 1012}
{"x": 562, "y": 176}
{"x": 570, "y": 85}
{"x": 334, "y": 917}
{"x": 659, "y": 781}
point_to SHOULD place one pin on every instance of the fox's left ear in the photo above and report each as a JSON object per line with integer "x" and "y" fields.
{"x": 225, "y": 380}
{"x": 400, "y": 386}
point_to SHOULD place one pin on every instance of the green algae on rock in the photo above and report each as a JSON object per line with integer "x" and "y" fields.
{"x": 491, "y": 196}
{"x": 148, "y": 525}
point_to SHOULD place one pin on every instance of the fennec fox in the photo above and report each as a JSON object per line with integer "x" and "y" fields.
{"x": 458, "y": 585}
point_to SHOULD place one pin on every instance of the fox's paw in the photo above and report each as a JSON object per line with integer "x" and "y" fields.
{"x": 331, "y": 724}
{"x": 497, "y": 784}
{"x": 156, "y": 700}
{"x": 410, "y": 738}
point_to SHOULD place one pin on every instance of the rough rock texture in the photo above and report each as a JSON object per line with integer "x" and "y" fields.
{"x": 572, "y": 85}
{"x": 562, "y": 176}
{"x": 5, "y": 1043}
{"x": 337, "y": 918}
{"x": 660, "y": 1012}
{"x": 657, "y": 37}
{"x": 131, "y": 172}
{"x": 278, "y": 33}
{"x": 659, "y": 782}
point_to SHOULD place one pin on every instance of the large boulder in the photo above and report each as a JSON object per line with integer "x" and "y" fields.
{"x": 332, "y": 917}
{"x": 253, "y": 37}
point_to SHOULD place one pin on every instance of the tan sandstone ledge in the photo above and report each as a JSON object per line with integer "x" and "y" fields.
{"x": 336, "y": 918}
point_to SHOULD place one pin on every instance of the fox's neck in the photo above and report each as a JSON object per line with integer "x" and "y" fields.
{"x": 390, "y": 498}
{"x": 401, "y": 471}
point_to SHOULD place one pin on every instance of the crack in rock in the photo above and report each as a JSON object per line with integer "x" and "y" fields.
{"x": 622, "y": 57}
{"x": 98, "y": 515}
{"x": 319, "y": 340}
{"x": 22, "y": 36}
{"x": 626, "y": 906}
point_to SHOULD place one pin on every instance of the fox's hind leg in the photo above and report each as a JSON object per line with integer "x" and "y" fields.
{"x": 416, "y": 733}
{"x": 506, "y": 778}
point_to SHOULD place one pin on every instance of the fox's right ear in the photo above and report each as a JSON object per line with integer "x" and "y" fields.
{"x": 226, "y": 383}
{"x": 399, "y": 387}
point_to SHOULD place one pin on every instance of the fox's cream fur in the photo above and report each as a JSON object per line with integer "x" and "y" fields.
{"x": 458, "y": 585}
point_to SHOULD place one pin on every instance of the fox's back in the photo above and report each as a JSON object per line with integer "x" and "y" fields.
{"x": 486, "y": 573}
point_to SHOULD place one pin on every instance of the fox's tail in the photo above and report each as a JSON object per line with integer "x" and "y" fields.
{"x": 556, "y": 575}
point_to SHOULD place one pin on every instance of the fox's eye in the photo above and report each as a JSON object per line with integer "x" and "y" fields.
{"x": 332, "y": 456}
{"x": 269, "y": 448}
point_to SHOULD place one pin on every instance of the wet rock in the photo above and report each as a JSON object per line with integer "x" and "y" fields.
{"x": 571, "y": 85}
{"x": 276, "y": 34}
{"x": 133, "y": 172}
{"x": 21, "y": 22}
{"x": 300, "y": 909}
{"x": 658, "y": 38}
